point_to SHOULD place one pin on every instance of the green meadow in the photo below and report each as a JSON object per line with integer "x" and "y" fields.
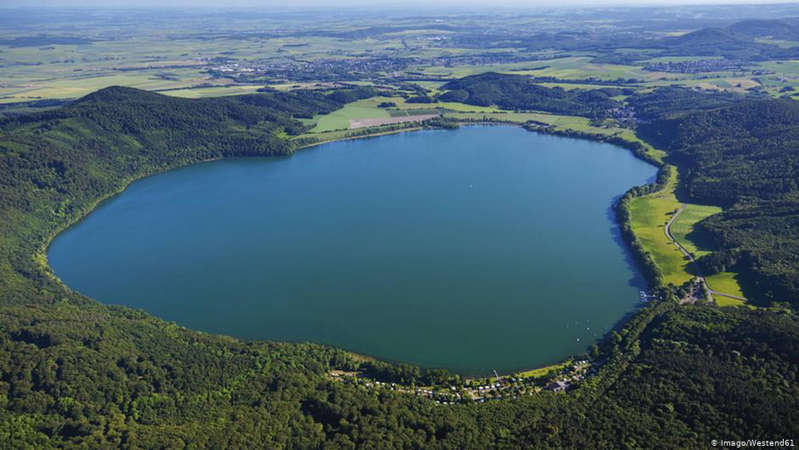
{"x": 684, "y": 227}
{"x": 340, "y": 119}
{"x": 649, "y": 215}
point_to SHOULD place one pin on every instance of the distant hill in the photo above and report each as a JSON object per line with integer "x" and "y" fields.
{"x": 520, "y": 92}
{"x": 715, "y": 42}
{"x": 98, "y": 143}
{"x": 737, "y": 41}
{"x": 786, "y": 29}
{"x": 706, "y": 36}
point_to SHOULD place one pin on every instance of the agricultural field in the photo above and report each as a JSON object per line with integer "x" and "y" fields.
{"x": 393, "y": 120}
{"x": 727, "y": 283}
{"x": 683, "y": 228}
{"x": 362, "y": 109}
{"x": 369, "y": 109}
{"x": 648, "y": 216}
{"x": 186, "y": 54}
{"x": 684, "y": 231}
{"x": 570, "y": 68}
{"x": 212, "y": 91}
{"x": 78, "y": 87}
{"x": 337, "y": 135}
{"x": 577, "y": 68}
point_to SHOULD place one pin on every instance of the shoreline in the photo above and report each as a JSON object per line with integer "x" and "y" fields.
{"x": 41, "y": 259}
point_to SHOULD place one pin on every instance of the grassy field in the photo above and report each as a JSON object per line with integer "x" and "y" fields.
{"x": 362, "y": 109}
{"x": 156, "y": 55}
{"x": 337, "y": 135}
{"x": 649, "y": 215}
{"x": 77, "y": 87}
{"x": 726, "y": 301}
{"x": 683, "y": 228}
{"x": 215, "y": 91}
{"x": 570, "y": 68}
{"x": 561, "y": 123}
{"x": 368, "y": 109}
{"x": 727, "y": 283}
{"x": 179, "y": 83}
{"x": 541, "y": 371}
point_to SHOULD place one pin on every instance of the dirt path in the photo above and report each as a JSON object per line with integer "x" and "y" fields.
{"x": 727, "y": 295}
{"x": 671, "y": 238}
{"x": 362, "y": 123}
{"x": 690, "y": 257}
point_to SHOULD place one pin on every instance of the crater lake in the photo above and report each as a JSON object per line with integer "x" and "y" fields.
{"x": 485, "y": 247}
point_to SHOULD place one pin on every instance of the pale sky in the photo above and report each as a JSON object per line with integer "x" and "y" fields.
{"x": 282, "y": 4}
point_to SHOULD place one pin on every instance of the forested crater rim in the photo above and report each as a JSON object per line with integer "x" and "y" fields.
{"x": 382, "y": 290}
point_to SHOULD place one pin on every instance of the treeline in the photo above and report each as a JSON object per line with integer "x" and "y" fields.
{"x": 78, "y": 374}
{"x": 748, "y": 150}
{"x": 518, "y": 92}
{"x": 744, "y": 157}
{"x": 407, "y": 374}
{"x": 97, "y": 376}
{"x": 638, "y": 149}
{"x": 692, "y": 358}
{"x": 761, "y": 241}
{"x": 57, "y": 163}
{"x": 647, "y": 265}
{"x": 673, "y": 101}
{"x": 433, "y": 123}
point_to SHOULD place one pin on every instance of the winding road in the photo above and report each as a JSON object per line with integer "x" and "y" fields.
{"x": 690, "y": 257}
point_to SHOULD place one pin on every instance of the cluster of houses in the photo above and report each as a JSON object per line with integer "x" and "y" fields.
{"x": 577, "y": 373}
{"x": 323, "y": 69}
{"x": 441, "y": 397}
{"x": 624, "y": 115}
{"x": 487, "y": 390}
{"x": 696, "y": 66}
{"x": 338, "y": 68}
{"x": 647, "y": 296}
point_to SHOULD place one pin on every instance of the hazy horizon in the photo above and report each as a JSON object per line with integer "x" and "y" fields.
{"x": 475, "y": 4}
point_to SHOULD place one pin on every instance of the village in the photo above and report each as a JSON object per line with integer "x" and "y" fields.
{"x": 481, "y": 390}
{"x": 648, "y": 296}
{"x": 341, "y": 68}
{"x": 697, "y": 66}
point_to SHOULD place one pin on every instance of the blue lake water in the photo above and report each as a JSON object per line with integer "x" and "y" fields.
{"x": 472, "y": 249}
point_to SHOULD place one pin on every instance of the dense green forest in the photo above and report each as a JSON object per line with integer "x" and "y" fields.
{"x": 518, "y": 92}
{"x": 747, "y": 40}
{"x": 76, "y": 373}
{"x": 56, "y": 164}
{"x": 745, "y": 157}
{"x": 675, "y": 101}
{"x": 106, "y": 376}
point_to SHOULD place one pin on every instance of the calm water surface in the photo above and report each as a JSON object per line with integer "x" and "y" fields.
{"x": 476, "y": 249}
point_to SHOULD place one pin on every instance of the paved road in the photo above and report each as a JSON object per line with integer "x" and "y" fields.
{"x": 727, "y": 295}
{"x": 690, "y": 257}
